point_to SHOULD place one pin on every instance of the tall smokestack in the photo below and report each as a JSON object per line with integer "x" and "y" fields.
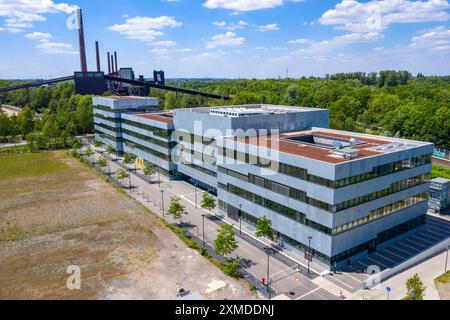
{"x": 112, "y": 64}
{"x": 109, "y": 64}
{"x": 97, "y": 53}
{"x": 115, "y": 58}
{"x": 81, "y": 41}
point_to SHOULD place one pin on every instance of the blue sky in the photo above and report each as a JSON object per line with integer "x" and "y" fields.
{"x": 228, "y": 38}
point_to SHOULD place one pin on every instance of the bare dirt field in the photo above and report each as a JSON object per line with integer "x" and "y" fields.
{"x": 62, "y": 213}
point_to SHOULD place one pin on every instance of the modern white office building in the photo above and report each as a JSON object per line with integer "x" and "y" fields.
{"x": 340, "y": 194}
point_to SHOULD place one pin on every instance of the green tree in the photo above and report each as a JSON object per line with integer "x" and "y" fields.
{"x": 25, "y": 121}
{"x": 415, "y": 288}
{"x": 97, "y": 144}
{"x": 128, "y": 158}
{"x": 208, "y": 202}
{"x": 149, "y": 169}
{"x": 122, "y": 175}
{"x": 264, "y": 228}
{"x": 225, "y": 243}
{"x": 176, "y": 209}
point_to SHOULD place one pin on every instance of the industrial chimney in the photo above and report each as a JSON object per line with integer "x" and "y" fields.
{"x": 97, "y": 53}
{"x": 109, "y": 64}
{"x": 112, "y": 63}
{"x": 115, "y": 58}
{"x": 81, "y": 41}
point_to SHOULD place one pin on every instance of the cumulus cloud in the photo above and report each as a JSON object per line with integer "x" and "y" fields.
{"x": 436, "y": 39}
{"x": 145, "y": 28}
{"x": 57, "y": 48}
{"x": 268, "y": 27}
{"x": 226, "y": 39}
{"x": 230, "y": 26}
{"x": 245, "y": 5}
{"x": 21, "y": 13}
{"x": 40, "y": 36}
{"x": 300, "y": 41}
{"x": 375, "y": 15}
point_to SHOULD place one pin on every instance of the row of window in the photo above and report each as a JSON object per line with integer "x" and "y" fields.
{"x": 198, "y": 168}
{"x": 154, "y": 141}
{"x": 382, "y": 212}
{"x": 303, "y": 174}
{"x": 301, "y": 217}
{"x": 105, "y": 126}
{"x": 382, "y": 237}
{"x": 302, "y": 196}
{"x": 163, "y": 133}
{"x": 133, "y": 145}
{"x": 275, "y": 207}
{"x": 107, "y": 136}
{"x": 101, "y": 116}
{"x": 192, "y": 138}
{"x": 108, "y": 109}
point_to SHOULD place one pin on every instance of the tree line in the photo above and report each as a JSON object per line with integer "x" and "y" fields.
{"x": 50, "y": 117}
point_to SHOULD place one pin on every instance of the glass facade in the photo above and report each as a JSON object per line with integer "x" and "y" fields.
{"x": 301, "y": 173}
{"x": 302, "y": 196}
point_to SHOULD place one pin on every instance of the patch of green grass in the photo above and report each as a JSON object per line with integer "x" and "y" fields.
{"x": 445, "y": 278}
{"x": 442, "y": 172}
{"x": 12, "y": 233}
{"x": 29, "y": 165}
{"x": 14, "y": 150}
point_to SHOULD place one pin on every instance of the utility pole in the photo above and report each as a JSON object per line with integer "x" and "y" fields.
{"x": 309, "y": 255}
{"x": 159, "y": 178}
{"x": 240, "y": 219}
{"x": 203, "y": 218}
{"x": 162, "y": 201}
{"x": 446, "y": 259}
{"x": 196, "y": 203}
{"x": 268, "y": 270}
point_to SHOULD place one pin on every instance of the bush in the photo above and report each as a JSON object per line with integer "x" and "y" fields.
{"x": 231, "y": 269}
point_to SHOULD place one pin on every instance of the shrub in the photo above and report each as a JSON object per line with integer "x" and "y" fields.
{"x": 231, "y": 268}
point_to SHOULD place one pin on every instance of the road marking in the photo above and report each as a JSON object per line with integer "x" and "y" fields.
{"x": 377, "y": 262}
{"x": 423, "y": 239}
{"x": 307, "y": 294}
{"x": 395, "y": 254}
{"x": 343, "y": 283}
{"x": 417, "y": 244}
{"x": 384, "y": 257}
{"x": 402, "y": 250}
{"x": 409, "y": 246}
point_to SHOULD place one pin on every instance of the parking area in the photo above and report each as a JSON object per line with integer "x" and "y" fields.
{"x": 435, "y": 231}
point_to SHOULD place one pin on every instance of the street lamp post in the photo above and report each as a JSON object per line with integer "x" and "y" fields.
{"x": 446, "y": 259}
{"x": 309, "y": 256}
{"x": 159, "y": 178}
{"x": 240, "y": 219}
{"x": 162, "y": 202}
{"x": 195, "y": 188}
{"x": 268, "y": 270}
{"x": 203, "y": 218}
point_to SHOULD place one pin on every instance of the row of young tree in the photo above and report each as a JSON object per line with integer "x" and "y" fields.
{"x": 50, "y": 119}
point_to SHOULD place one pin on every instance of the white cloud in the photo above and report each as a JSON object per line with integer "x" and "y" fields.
{"x": 40, "y": 36}
{"x": 145, "y": 28}
{"x": 226, "y": 39}
{"x": 300, "y": 41}
{"x": 230, "y": 26}
{"x": 245, "y": 5}
{"x": 436, "y": 39}
{"x": 166, "y": 43}
{"x": 378, "y": 15}
{"x": 22, "y": 12}
{"x": 57, "y": 48}
{"x": 268, "y": 27}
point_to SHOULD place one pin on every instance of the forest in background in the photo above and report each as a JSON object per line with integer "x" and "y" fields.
{"x": 390, "y": 103}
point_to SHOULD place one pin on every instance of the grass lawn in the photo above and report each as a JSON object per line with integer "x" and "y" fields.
{"x": 445, "y": 278}
{"x": 442, "y": 172}
{"x": 29, "y": 165}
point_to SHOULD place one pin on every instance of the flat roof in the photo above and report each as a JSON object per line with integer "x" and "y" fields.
{"x": 165, "y": 117}
{"x": 251, "y": 108}
{"x": 127, "y": 98}
{"x": 441, "y": 180}
{"x": 365, "y": 146}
